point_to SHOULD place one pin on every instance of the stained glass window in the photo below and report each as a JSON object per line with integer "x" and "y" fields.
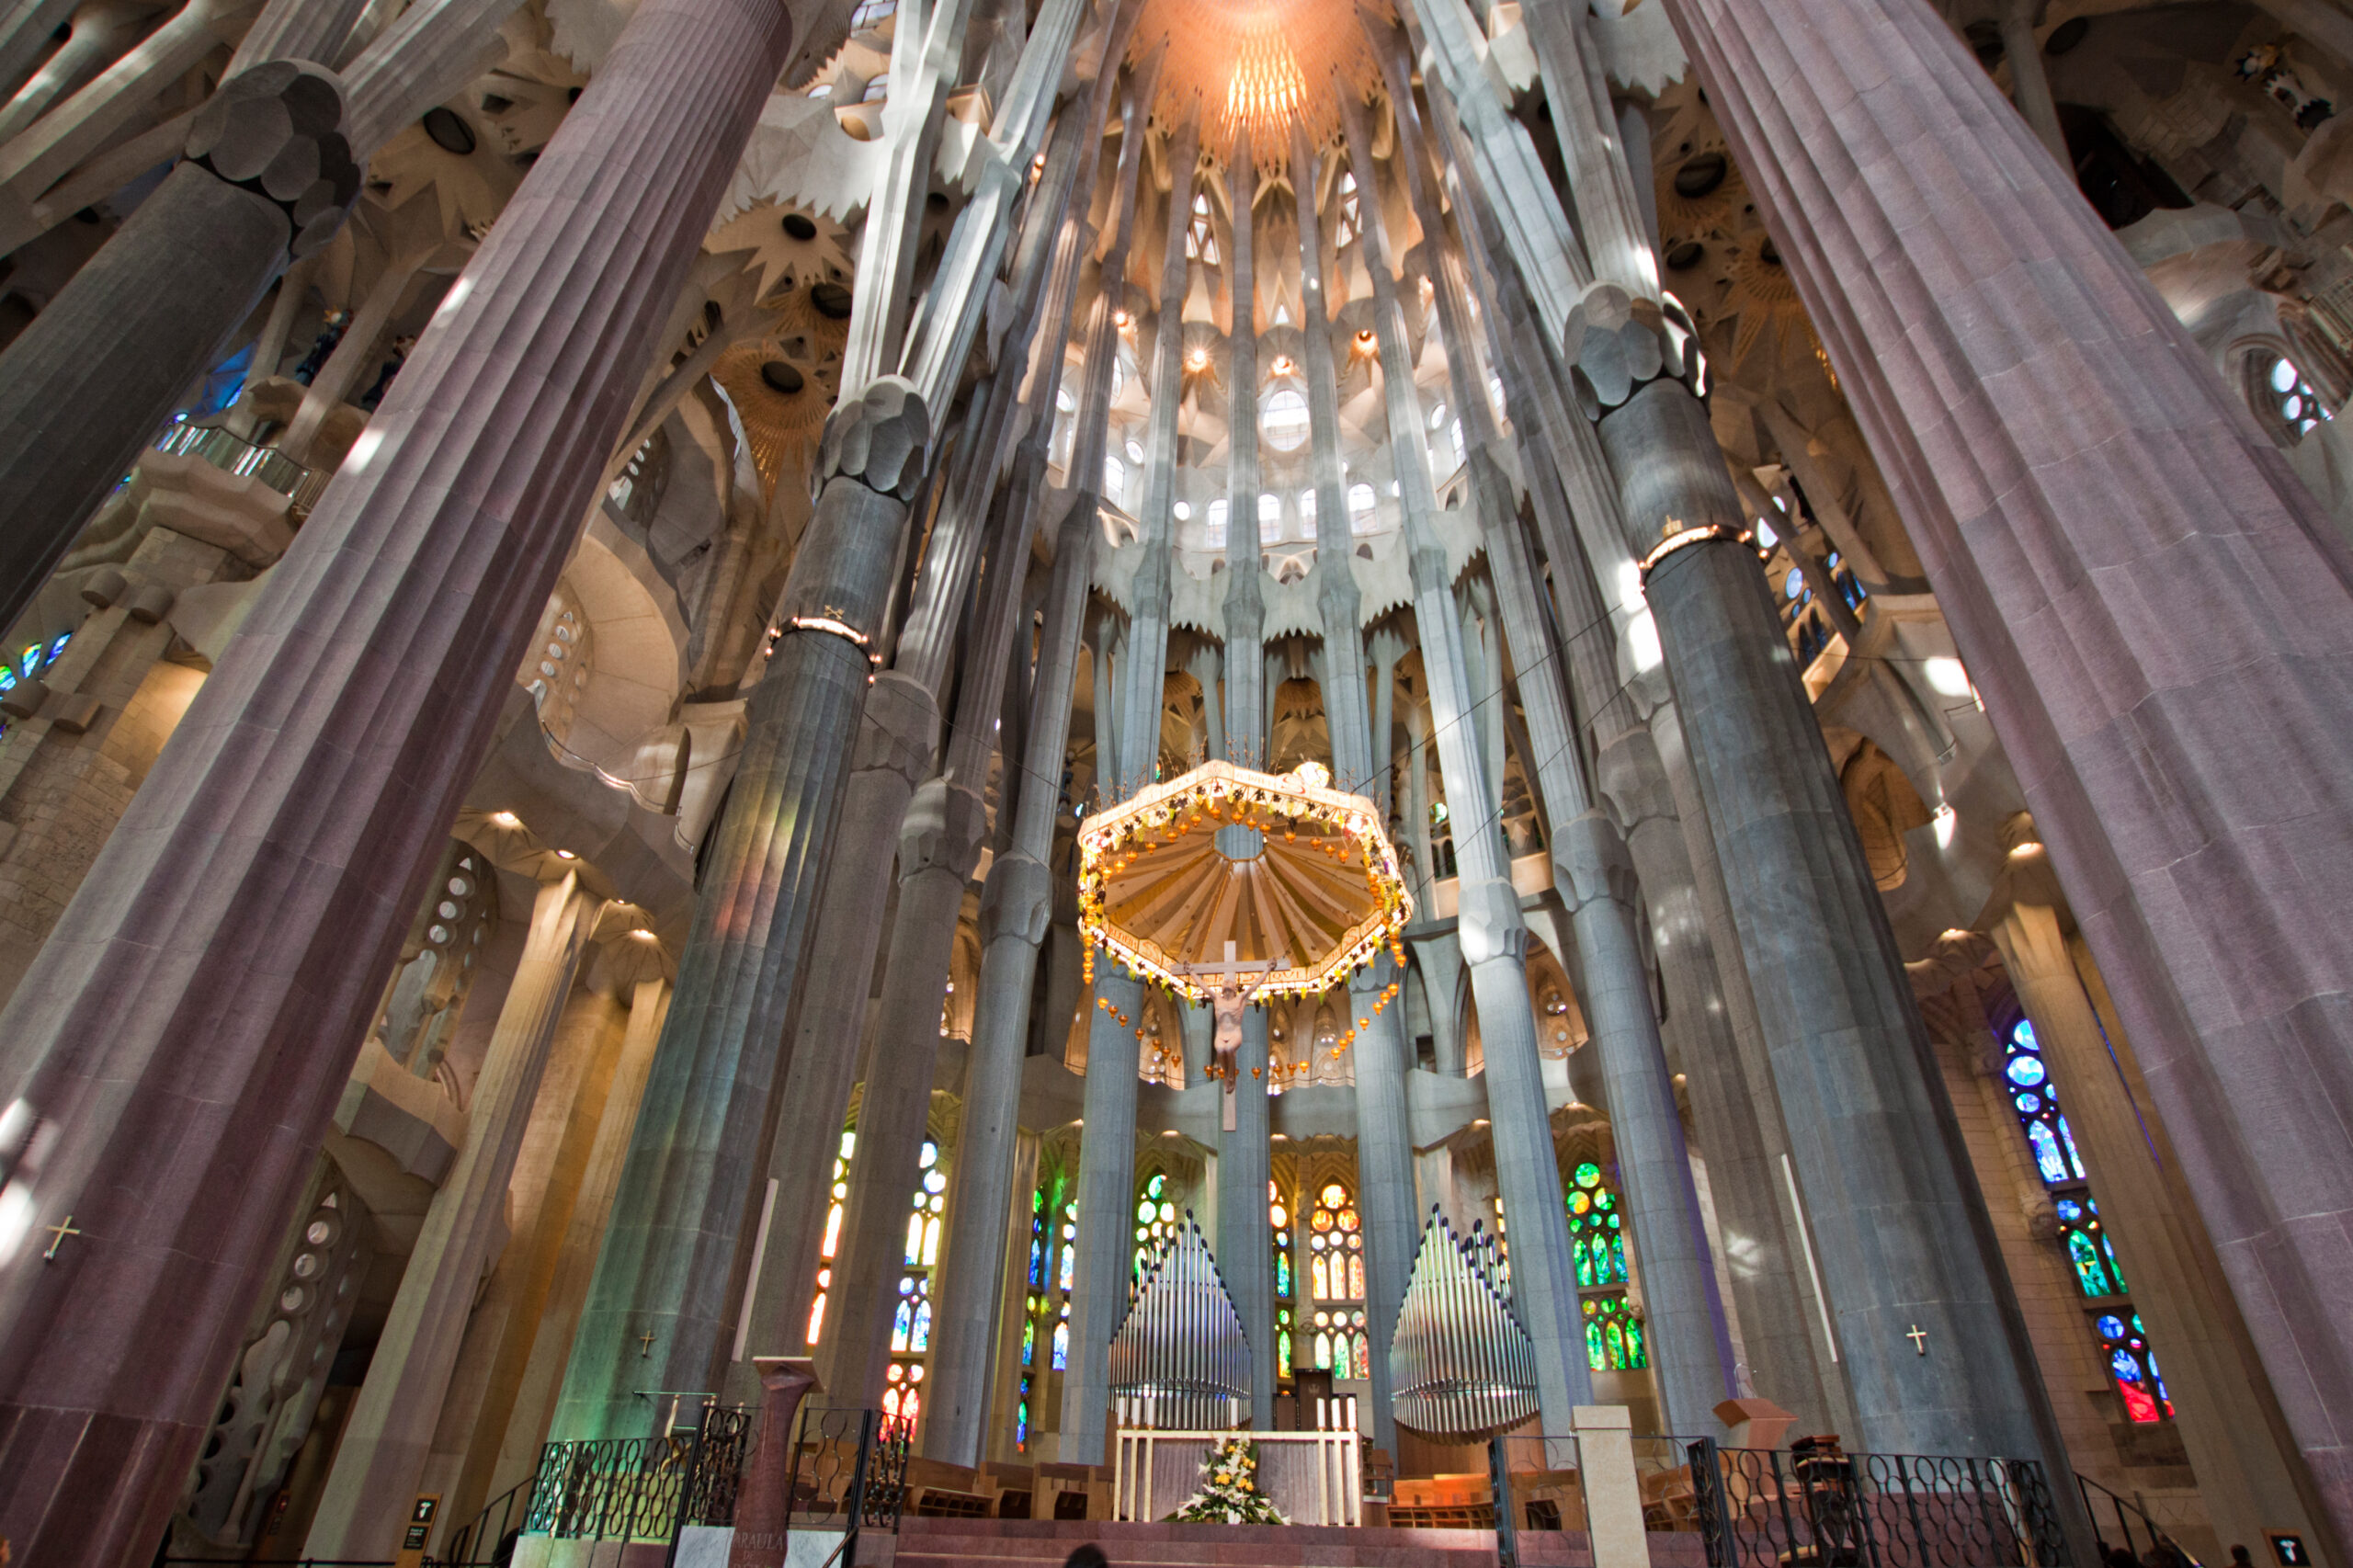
{"x": 1286, "y": 1287}
{"x": 2124, "y": 1349}
{"x": 840, "y": 1194}
{"x": 911, "y": 1320}
{"x": 2037, "y": 1103}
{"x": 1597, "y": 1229}
{"x": 2133, "y": 1366}
{"x": 1053, "y": 1228}
{"x": 1336, "y": 1279}
{"x": 1155, "y": 1223}
{"x": 1613, "y": 1335}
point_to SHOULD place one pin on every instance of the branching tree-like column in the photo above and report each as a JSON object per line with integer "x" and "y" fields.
{"x": 2081, "y": 486}
{"x": 1107, "y": 1160}
{"x": 189, "y": 1025}
{"x": 1903, "y": 1232}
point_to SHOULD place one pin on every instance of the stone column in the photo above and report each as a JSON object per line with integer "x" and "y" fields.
{"x": 1246, "y": 671}
{"x": 1148, "y": 621}
{"x": 285, "y": 835}
{"x": 1384, "y": 1123}
{"x": 1107, "y": 1155}
{"x": 895, "y": 750}
{"x": 1711, "y": 1016}
{"x": 1017, "y": 906}
{"x": 1688, "y": 1331}
{"x": 2226, "y": 1420}
{"x": 1493, "y": 938}
{"x": 938, "y": 844}
{"x": 384, "y": 1443}
{"x": 519, "y": 1450}
{"x": 1001, "y": 1345}
{"x": 2029, "y": 85}
{"x": 2040, "y": 413}
{"x": 670, "y": 1263}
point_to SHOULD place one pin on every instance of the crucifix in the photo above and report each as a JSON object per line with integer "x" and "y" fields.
{"x": 645, "y": 1345}
{"x": 1231, "y": 994}
{"x": 1919, "y": 1338}
{"x": 61, "y": 1232}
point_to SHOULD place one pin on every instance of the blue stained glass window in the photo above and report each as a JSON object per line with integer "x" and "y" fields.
{"x": 2052, "y": 1163}
{"x": 2070, "y": 1210}
{"x": 1029, "y": 1342}
{"x": 2075, "y": 1160}
{"x": 2025, "y": 1071}
{"x": 920, "y": 1340}
{"x": 2110, "y": 1326}
{"x": 59, "y": 646}
{"x": 2028, "y": 1104}
{"x": 1021, "y": 1424}
{"x": 1061, "y": 1345}
{"x": 1069, "y": 1266}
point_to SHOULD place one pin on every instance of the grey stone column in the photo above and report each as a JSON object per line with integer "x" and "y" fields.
{"x": 1017, "y": 906}
{"x": 2034, "y": 418}
{"x": 1733, "y": 1095}
{"x": 385, "y": 1441}
{"x": 1146, "y": 696}
{"x": 1107, "y": 1153}
{"x": 1688, "y": 1333}
{"x": 2029, "y": 85}
{"x": 1107, "y": 1180}
{"x": 285, "y": 835}
{"x": 1384, "y": 1123}
{"x": 1246, "y": 671}
{"x": 1244, "y": 1234}
{"x": 938, "y": 844}
{"x": 1494, "y": 939}
{"x": 1901, "y": 1228}
{"x": 153, "y": 309}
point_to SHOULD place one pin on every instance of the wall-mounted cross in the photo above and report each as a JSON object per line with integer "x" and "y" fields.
{"x": 61, "y": 1231}
{"x": 645, "y": 1345}
{"x": 1919, "y": 1338}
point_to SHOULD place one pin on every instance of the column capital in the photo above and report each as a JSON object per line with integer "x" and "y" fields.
{"x": 881, "y": 439}
{"x": 1018, "y": 900}
{"x": 1488, "y": 923}
{"x": 278, "y": 130}
{"x": 943, "y": 829}
{"x": 1616, "y": 343}
{"x": 899, "y": 729}
{"x": 1591, "y": 862}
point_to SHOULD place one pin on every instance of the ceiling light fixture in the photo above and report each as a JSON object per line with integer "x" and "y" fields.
{"x": 506, "y": 819}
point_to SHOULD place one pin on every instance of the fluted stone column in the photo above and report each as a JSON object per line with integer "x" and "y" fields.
{"x": 270, "y": 165}
{"x": 940, "y": 844}
{"x": 385, "y": 1440}
{"x": 1107, "y": 1153}
{"x": 284, "y": 838}
{"x": 1017, "y": 906}
{"x": 519, "y": 1449}
{"x": 893, "y": 756}
{"x": 1244, "y": 707}
{"x": 2246, "y": 1473}
{"x": 1384, "y": 1123}
{"x": 1710, "y": 1015}
{"x": 2080, "y": 485}
{"x": 1688, "y": 1331}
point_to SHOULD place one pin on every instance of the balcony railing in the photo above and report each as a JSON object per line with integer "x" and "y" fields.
{"x": 232, "y": 454}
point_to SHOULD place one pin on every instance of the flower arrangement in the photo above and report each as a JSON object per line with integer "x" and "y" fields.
{"x": 1229, "y": 1494}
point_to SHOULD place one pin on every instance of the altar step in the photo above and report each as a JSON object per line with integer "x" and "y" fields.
{"x": 1045, "y": 1543}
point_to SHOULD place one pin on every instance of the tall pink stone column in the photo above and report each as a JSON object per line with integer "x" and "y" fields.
{"x": 182, "y": 1039}
{"x": 2153, "y": 606}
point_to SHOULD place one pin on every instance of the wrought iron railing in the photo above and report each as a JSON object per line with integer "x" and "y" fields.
{"x": 232, "y": 454}
{"x": 849, "y": 1472}
{"x": 2115, "y": 1514}
{"x": 643, "y": 1489}
{"x": 1821, "y": 1508}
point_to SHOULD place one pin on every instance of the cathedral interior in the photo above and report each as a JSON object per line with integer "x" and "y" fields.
{"x": 695, "y": 685}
